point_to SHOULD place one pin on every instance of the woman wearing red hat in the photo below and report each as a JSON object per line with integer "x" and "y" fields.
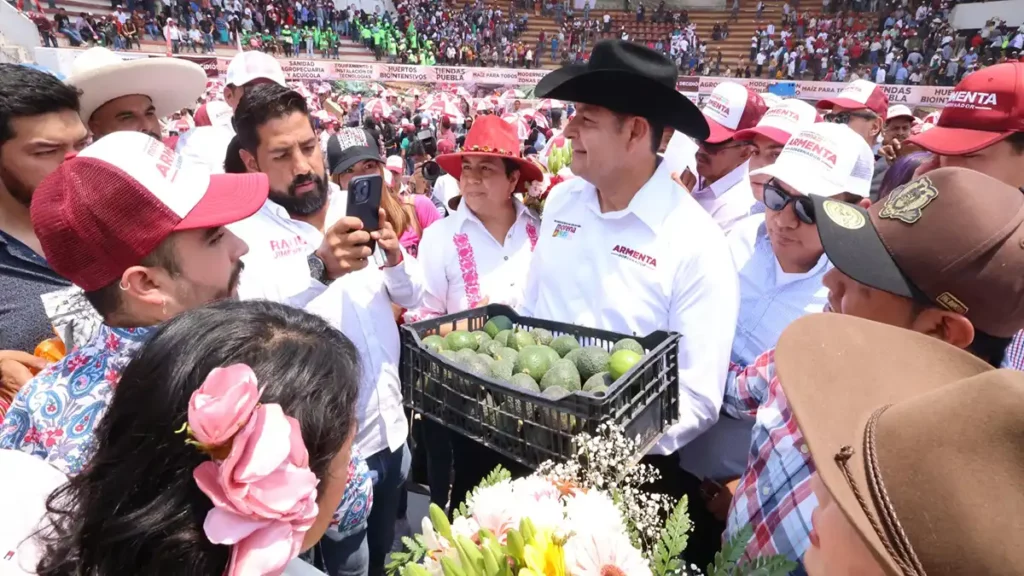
{"x": 478, "y": 255}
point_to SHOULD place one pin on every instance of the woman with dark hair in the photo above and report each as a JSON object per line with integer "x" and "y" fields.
{"x": 257, "y": 392}
{"x": 901, "y": 172}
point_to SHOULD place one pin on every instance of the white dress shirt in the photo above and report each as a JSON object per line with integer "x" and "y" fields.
{"x": 659, "y": 264}
{"x": 463, "y": 264}
{"x": 729, "y": 198}
{"x": 358, "y": 304}
{"x": 770, "y": 299}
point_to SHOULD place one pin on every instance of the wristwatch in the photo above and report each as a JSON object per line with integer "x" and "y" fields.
{"x": 317, "y": 269}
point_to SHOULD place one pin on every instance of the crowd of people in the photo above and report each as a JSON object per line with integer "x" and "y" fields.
{"x": 199, "y": 346}
{"x": 904, "y": 43}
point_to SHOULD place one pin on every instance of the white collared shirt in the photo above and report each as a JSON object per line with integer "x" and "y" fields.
{"x": 729, "y": 198}
{"x": 463, "y": 264}
{"x": 770, "y": 300}
{"x": 358, "y": 304}
{"x": 659, "y": 264}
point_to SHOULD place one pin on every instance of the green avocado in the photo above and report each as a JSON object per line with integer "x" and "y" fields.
{"x": 435, "y": 343}
{"x": 628, "y": 344}
{"x": 481, "y": 337}
{"x": 533, "y": 361}
{"x": 520, "y": 339}
{"x": 592, "y": 360}
{"x": 505, "y": 353}
{"x": 621, "y": 362}
{"x": 562, "y": 374}
{"x": 542, "y": 336}
{"x": 496, "y": 325}
{"x": 460, "y": 340}
{"x": 502, "y": 337}
{"x": 599, "y": 380}
{"x": 564, "y": 344}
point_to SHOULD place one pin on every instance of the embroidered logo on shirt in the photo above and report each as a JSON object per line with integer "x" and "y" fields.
{"x": 564, "y": 229}
{"x": 907, "y": 202}
{"x": 287, "y": 246}
{"x": 635, "y": 256}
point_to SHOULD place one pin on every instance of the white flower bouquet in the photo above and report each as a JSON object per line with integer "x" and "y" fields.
{"x": 585, "y": 517}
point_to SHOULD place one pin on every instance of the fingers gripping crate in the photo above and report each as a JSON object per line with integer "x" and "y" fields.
{"x": 526, "y": 426}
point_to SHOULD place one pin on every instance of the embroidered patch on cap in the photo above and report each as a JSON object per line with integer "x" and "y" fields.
{"x": 952, "y": 303}
{"x": 907, "y": 202}
{"x": 843, "y": 214}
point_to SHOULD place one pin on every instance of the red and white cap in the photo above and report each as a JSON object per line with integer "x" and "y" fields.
{"x": 986, "y": 107}
{"x": 108, "y": 207}
{"x": 899, "y": 111}
{"x": 781, "y": 121}
{"x": 395, "y": 164}
{"x": 858, "y": 95}
{"x": 732, "y": 107}
{"x": 254, "y": 65}
{"x": 825, "y": 159}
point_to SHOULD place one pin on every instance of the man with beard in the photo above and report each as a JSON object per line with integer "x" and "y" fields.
{"x": 39, "y": 124}
{"x": 142, "y": 234}
{"x": 307, "y": 253}
{"x": 133, "y": 94}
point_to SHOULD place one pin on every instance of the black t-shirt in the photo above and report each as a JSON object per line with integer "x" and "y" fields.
{"x": 24, "y": 278}
{"x": 61, "y": 20}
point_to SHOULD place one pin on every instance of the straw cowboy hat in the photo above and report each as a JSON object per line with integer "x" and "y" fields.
{"x": 919, "y": 446}
{"x": 102, "y": 76}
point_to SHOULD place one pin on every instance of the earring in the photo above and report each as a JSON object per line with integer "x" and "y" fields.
{"x": 164, "y": 308}
{"x": 124, "y": 287}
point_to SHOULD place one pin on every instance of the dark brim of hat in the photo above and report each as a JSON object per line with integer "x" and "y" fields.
{"x": 853, "y": 245}
{"x": 353, "y": 156}
{"x": 528, "y": 171}
{"x": 822, "y": 364}
{"x": 626, "y": 93}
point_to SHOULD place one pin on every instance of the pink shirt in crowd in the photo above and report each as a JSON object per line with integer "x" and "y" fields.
{"x": 426, "y": 214}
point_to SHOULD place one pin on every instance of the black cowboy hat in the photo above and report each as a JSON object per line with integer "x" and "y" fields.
{"x": 629, "y": 79}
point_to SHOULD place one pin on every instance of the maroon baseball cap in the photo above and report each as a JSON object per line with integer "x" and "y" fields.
{"x": 934, "y": 240}
{"x": 985, "y": 107}
{"x": 730, "y": 108}
{"x": 108, "y": 207}
{"x": 858, "y": 95}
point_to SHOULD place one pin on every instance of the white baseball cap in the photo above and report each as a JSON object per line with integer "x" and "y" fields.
{"x": 730, "y": 108}
{"x": 781, "y": 121}
{"x": 825, "y": 159}
{"x": 899, "y": 111}
{"x": 254, "y": 65}
{"x": 860, "y": 94}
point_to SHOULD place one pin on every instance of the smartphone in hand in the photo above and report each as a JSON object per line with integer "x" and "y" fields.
{"x": 364, "y": 194}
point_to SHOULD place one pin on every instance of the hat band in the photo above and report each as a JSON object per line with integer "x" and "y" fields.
{"x": 890, "y": 531}
{"x": 490, "y": 150}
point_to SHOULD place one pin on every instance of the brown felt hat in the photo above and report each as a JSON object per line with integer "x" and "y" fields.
{"x": 927, "y": 435}
{"x": 952, "y": 238}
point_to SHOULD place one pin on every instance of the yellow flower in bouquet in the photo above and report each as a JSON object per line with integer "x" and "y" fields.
{"x": 544, "y": 555}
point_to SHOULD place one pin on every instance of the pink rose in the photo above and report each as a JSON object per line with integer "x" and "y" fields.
{"x": 223, "y": 404}
{"x": 264, "y": 494}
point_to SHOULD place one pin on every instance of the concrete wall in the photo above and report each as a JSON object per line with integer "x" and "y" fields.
{"x": 17, "y": 30}
{"x": 971, "y": 16}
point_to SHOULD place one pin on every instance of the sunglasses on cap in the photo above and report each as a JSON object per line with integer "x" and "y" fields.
{"x": 776, "y": 199}
{"x": 844, "y": 117}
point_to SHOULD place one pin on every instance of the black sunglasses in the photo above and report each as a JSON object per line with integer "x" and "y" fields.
{"x": 844, "y": 117}
{"x": 776, "y": 199}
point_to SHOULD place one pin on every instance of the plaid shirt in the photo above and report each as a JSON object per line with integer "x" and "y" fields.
{"x": 1014, "y": 357}
{"x": 774, "y": 494}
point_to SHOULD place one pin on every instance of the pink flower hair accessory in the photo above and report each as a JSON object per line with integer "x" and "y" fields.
{"x": 263, "y": 492}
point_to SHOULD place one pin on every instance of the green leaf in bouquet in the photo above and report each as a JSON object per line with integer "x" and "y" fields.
{"x": 516, "y": 545}
{"x": 416, "y": 549}
{"x": 490, "y": 562}
{"x": 440, "y": 521}
{"x": 469, "y": 556}
{"x": 498, "y": 475}
{"x": 767, "y": 566}
{"x": 450, "y": 568}
{"x": 729, "y": 556}
{"x": 669, "y": 549}
{"x": 527, "y": 530}
{"x": 414, "y": 570}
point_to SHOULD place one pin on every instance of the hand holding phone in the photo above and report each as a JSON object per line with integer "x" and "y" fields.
{"x": 364, "y": 194}
{"x": 345, "y": 247}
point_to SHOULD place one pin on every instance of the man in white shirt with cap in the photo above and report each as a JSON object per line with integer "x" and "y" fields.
{"x": 209, "y": 144}
{"x": 863, "y": 106}
{"x": 133, "y": 95}
{"x": 645, "y": 256}
{"x": 723, "y": 185}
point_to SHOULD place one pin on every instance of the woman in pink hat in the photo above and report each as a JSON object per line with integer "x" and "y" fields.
{"x": 480, "y": 254}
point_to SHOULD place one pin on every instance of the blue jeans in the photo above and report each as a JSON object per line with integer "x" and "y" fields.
{"x": 72, "y": 35}
{"x": 389, "y": 471}
{"x": 346, "y": 557}
{"x": 208, "y": 42}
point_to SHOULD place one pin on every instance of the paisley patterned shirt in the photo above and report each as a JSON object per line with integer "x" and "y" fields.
{"x": 54, "y": 415}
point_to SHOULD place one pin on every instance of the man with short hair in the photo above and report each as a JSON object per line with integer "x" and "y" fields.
{"x": 723, "y": 187}
{"x": 39, "y": 125}
{"x": 861, "y": 105}
{"x": 895, "y": 263}
{"x": 652, "y": 258}
{"x": 133, "y": 94}
{"x": 143, "y": 236}
{"x": 898, "y": 122}
{"x": 307, "y": 253}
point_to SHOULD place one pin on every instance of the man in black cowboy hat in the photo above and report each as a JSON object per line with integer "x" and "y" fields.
{"x": 646, "y": 256}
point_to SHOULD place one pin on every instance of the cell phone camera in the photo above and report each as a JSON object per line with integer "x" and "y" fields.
{"x": 362, "y": 192}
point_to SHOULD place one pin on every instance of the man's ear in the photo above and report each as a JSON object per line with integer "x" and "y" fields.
{"x": 249, "y": 160}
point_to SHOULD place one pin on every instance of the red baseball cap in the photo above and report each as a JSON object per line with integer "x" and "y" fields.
{"x": 985, "y": 107}
{"x": 730, "y": 108}
{"x": 108, "y": 207}
{"x": 860, "y": 94}
{"x": 782, "y": 121}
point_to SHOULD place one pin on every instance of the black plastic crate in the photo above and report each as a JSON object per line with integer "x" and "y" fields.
{"x": 526, "y": 426}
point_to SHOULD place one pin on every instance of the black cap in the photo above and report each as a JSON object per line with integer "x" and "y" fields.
{"x": 350, "y": 146}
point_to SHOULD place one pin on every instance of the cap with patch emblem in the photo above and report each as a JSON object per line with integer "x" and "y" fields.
{"x": 934, "y": 241}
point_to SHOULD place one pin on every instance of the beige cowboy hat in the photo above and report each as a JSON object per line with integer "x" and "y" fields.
{"x": 103, "y": 76}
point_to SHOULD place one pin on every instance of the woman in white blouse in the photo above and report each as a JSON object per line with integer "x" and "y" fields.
{"x": 478, "y": 255}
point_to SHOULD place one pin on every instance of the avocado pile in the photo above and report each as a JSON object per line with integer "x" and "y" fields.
{"x": 536, "y": 360}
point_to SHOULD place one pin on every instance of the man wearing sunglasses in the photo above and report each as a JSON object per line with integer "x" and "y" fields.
{"x": 898, "y": 263}
{"x": 780, "y": 263}
{"x": 724, "y": 181}
{"x": 862, "y": 105}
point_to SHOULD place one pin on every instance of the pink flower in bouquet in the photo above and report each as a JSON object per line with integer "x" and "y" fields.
{"x": 494, "y": 508}
{"x": 593, "y": 511}
{"x": 222, "y": 405}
